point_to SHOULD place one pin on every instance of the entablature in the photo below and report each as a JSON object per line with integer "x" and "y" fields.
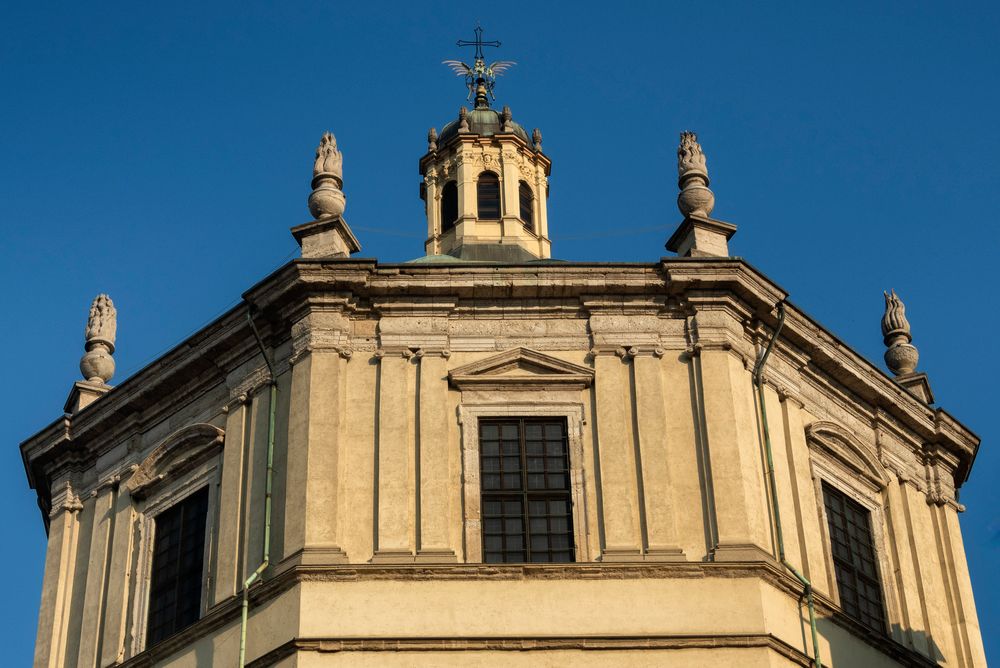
{"x": 717, "y": 303}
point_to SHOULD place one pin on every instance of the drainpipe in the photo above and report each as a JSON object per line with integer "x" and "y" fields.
{"x": 758, "y": 379}
{"x": 267, "y": 490}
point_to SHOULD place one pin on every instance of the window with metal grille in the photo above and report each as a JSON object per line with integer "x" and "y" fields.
{"x": 526, "y": 503}
{"x": 527, "y": 199}
{"x": 176, "y": 577}
{"x": 854, "y": 558}
{"x": 449, "y": 206}
{"x": 488, "y": 192}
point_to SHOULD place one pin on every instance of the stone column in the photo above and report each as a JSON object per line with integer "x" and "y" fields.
{"x": 651, "y": 426}
{"x": 314, "y": 440}
{"x": 616, "y": 460}
{"x": 736, "y": 466}
{"x": 435, "y": 473}
{"x": 57, "y": 585}
{"x": 395, "y": 461}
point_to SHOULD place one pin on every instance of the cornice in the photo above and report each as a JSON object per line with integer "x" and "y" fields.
{"x": 355, "y": 285}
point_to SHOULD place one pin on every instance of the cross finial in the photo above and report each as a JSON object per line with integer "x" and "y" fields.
{"x": 480, "y": 77}
{"x": 479, "y": 43}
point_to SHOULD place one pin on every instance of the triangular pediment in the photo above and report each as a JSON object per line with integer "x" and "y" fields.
{"x": 521, "y": 367}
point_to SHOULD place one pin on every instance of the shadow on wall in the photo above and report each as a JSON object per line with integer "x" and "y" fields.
{"x": 845, "y": 649}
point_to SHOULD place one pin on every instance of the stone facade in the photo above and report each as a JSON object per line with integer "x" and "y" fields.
{"x": 334, "y": 419}
{"x": 382, "y": 372}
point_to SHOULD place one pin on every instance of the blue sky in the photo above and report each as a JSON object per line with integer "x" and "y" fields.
{"x": 160, "y": 152}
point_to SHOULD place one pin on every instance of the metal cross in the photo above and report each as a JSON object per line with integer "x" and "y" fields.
{"x": 479, "y": 43}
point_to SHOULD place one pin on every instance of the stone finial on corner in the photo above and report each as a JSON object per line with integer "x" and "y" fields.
{"x": 97, "y": 365}
{"x": 536, "y": 139}
{"x": 505, "y": 120}
{"x": 328, "y": 236}
{"x": 901, "y": 357}
{"x": 695, "y": 197}
{"x": 698, "y": 235}
{"x": 463, "y": 120}
{"x": 327, "y": 199}
{"x": 432, "y": 140}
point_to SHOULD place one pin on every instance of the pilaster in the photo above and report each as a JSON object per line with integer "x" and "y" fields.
{"x": 120, "y": 583}
{"x": 617, "y": 464}
{"x": 97, "y": 572}
{"x": 315, "y": 413}
{"x": 395, "y": 460}
{"x": 57, "y": 585}
{"x": 926, "y": 560}
{"x": 806, "y": 521}
{"x": 231, "y": 499}
{"x": 968, "y": 619}
{"x": 914, "y": 631}
{"x": 655, "y": 464}
{"x": 735, "y": 458}
{"x": 434, "y": 460}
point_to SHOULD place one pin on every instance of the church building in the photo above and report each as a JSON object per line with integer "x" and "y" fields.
{"x": 490, "y": 457}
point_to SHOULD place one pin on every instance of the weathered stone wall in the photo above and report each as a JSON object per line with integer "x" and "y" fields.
{"x": 375, "y": 528}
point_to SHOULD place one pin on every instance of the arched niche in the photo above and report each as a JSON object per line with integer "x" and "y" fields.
{"x": 177, "y": 453}
{"x": 840, "y": 444}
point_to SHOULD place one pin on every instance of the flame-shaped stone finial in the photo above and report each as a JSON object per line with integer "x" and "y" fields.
{"x": 327, "y": 199}
{"x": 97, "y": 365}
{"x": 695, "y": 198}
{"x": 900, "y": 356}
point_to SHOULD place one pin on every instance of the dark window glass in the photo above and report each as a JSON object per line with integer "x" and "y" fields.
{"x": 526, "y": 506}
{"x": 178, "y": 553}
{"x": 854, "y": 558}
{"x": 527, "y": 205}
{"x": 488, "y": 191}
{"x": 449, "y": 206}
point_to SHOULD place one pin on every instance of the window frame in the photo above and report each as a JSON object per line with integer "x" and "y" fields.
{"x": 206, "y": 474}
{"x": 825, "y": 488}
{"x": 469, "y": 416}
{"x": 525, "y": 494}
{"x": 864, "y": 489}
{"x": 448, "y": 226}
{"x": 529, "y": 222}
{"x": 479, "y": 197}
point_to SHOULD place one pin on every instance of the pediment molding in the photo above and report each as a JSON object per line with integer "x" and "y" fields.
{"x": 521, "y": 368}
{"x": 838, "y": 442}
{"x": 176, "y": 453}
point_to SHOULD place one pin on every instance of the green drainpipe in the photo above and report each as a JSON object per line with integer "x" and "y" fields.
{"x": 758, "y": 379}
{"x": 267, "y": 491}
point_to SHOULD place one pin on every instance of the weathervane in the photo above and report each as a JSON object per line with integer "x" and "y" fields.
{"x": 480, "y": 74}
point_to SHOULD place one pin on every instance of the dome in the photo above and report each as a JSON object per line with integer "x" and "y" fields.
{"x": 484, "y": 122}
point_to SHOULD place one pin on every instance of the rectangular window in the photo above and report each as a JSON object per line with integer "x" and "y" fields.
{"x": 854, "y": 558}
{"x": 176, "y": 573}
{"x": 526, "y": 504}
